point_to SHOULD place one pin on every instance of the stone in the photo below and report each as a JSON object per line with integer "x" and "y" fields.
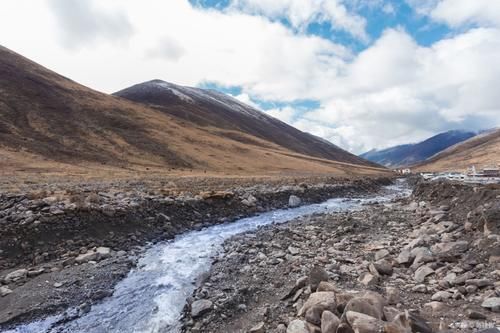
{"x": 450, "y": 248}
{"x": 362, "y": 323}
{"x": 492, "y": 303}
{"x": 281, "y": 328}
{"x": 317, "y": 275}
{"x": 294, "y": 201}
{"x": 480, "y": 283}
{"x": 4, "y": 291}
{"x": 368, "y": 279}
{"x": 326, "y": 286}
{"x": 476, "y": 315}
{"x": 329, "y": 322}
{"x": 58, "y": 285}
{"x": 200, "y": 307}
{"x": 420, "y": 288}
{"x": 404, "y": 257}
{"x": 383, "y": 267}
{"x": 422, "y": 272}
{"x": 103, "y": 252}
{"x": 249, "y": 201}
{"x": 380, "y": 254}
{"x": 259, "y": 328}
{"x": 297, "y": 326}
{"x": 345, "y": 328}
{"x": 86, "y": 257}
{"x": 364, "y": 306}
{"x": 436, "y": 306}
{"x": 393, "y": 296}
{"x": 441, "y": 296}
{"x": 17, "y": 275}
{"x": 324, "y": 300}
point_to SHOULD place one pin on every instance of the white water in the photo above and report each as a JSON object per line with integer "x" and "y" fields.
{"x": 151, "y": 298}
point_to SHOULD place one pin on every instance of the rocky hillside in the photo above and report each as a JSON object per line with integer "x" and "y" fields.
{"x": 50, "y": 124}
{"x": 408, "y": 154}
{"x": 224, "y": 115}
{"x": 481, "y": 151}
{"x": 427, "y": 264}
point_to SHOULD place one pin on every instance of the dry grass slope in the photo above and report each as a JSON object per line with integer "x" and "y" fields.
{"x": 481, "y": 151}
{"x": 52, "y": 125}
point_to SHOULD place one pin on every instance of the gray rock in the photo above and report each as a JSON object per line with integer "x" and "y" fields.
{"x": 103, "y": 252}
{"x": 200, "y": 307}
{"x": 329, "y": 322}
{"x": 421, "y": 273}
{"x": 317, "y": 275}
{"x": 380, "y": 254}
{"x": 259, "y": 328}
{"x": 297, "y": 326}
{"x": 86, "y": 257}
{"x": 17, "y": 275}
{"x": 4, "y": 291}
{"x": 368, "y": 279}
{"x": 294, "y": 201}
{"x": 492, "y": 303}
{"x": 441, "y": 296}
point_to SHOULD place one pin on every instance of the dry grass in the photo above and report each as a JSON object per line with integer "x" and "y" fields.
{"x": 480, "y": 151}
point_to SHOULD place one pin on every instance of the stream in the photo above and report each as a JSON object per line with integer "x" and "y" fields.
{"x": 151, "y": 298}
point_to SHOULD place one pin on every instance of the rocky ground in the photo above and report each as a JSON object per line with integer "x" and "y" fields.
{"x": 67, "y": 246}
{"x": 428, "y": 263}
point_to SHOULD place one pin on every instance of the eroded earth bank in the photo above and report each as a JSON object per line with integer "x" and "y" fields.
{"x": 427, "y": 263}
{"x": 67, "y": 246}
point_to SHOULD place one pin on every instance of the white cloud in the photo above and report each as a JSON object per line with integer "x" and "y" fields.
{"x": 393, "y": 92}
{"x": 300, "y": 13}
{"x": 460, "y": 12}
{"x": 83, "y": 22}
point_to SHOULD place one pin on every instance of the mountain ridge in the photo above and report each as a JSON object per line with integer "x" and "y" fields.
{"x": 410, "y": 154}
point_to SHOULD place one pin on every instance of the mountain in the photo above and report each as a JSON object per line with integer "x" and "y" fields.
{"x": 223, "y": 114}
{"x": 50, "y": 124}
{"x": 481, "y": 151}
{"x": 408, "y": 154}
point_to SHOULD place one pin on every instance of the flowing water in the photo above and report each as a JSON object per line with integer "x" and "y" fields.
{"x": 151, "y": 298}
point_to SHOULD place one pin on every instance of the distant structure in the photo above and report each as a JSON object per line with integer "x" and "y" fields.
{"x": 403, "y": 171}
{"x": 491, "y": 172}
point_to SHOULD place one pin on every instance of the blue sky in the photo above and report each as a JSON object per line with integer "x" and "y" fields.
{"x": 362, "y": 74}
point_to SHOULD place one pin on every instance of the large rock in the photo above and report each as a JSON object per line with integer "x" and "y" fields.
{"x": 450, "y": 248}
{"x": 422, "y": 272}
{"x": 4, "y": 291}
{"x": 329, "y": 322}
{"x": 317, "y": 303}
{"x": 15, "y": 276}
{"x": 200, "y": 307}
{"x": 86, "y": 257}
{"x": 362, "y": 323}
{"x": 297, "y": 326}
{"x": 368, "y": 279}
{"x": 294, "y": 201}
{"x": 492, "y": 303}
{"x": 365, "y": 306}
{"x": 317, "y": 275}
{"x": 491, "y": 220}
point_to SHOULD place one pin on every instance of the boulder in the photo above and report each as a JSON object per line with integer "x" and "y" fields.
{"x": 450, "y": 248}
{"x": 4, "y": 291}
{"x": 368, "y": 279}
{"x": 294, "y": 201}
{"x": 329, "y": 322}
{"x": 422, "y": 272}
{"x": 317, "y": 275}
{"x": 17, "y": 275}
{"x": 297, "y": 326}
{"x": 320, "y": 301}
{"x": 492, "y": 303}
{"x": 200, "y": 307}
{"x": 362, "y": 323}
{"x": 86, "y": 257}
{"x": 364, "y": 306}
{"x": 259, "y": 328}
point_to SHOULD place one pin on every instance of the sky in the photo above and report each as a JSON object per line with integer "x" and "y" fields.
{"x": 364, "y": 74}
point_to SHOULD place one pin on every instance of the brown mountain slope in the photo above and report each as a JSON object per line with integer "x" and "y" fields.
{"x": 482, "y": 150}
{"x": 210, "y": 108}
{"x": 49, "y": 121}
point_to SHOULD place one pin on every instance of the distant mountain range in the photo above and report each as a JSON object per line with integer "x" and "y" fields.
{"x": 481, "y": 151}
{"x": 410, "y": 154}
{"x": 49, "y": 121}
